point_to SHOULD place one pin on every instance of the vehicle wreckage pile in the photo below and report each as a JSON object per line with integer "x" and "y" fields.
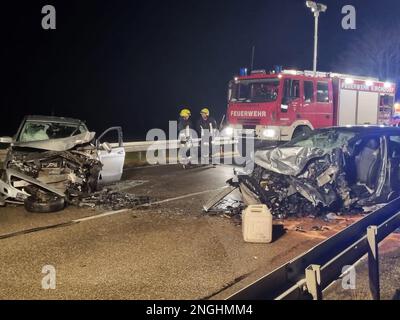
{"x": 308, "y": 181}
{"x": 74, "y": 173}
{"x": 55, "y": 161}
{"x": 320, "y": 189}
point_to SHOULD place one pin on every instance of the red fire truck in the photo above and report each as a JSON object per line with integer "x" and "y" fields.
{"x": 279, "y": 106}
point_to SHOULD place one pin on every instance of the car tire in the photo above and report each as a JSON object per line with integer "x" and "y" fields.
{"x": 31, "y": 204}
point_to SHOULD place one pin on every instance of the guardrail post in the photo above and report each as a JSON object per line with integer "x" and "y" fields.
{"x": 313, "y": 281}
{"x": 373, "y": 262}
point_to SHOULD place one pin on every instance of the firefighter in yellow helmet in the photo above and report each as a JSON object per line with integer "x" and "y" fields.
{"x": 206, "y": 127}
{"x": 206, "y": 122}
{"x": 184, "y": 135}
{"x": 184, "y": 120}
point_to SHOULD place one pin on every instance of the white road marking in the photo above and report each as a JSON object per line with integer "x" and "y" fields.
{"x": 182, "y": 197}
{"x": 149, "y": 166}
{"x": 110, "y": 213}
{"x": 105, "y": 214}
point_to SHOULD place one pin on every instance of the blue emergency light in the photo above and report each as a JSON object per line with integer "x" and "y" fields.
{"x": 243, "y": 72}
{"x": 278, "y": 69}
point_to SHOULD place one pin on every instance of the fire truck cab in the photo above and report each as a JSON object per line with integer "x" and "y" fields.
{"x": 280, "y": 106}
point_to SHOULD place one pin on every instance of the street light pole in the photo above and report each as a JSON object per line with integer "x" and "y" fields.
{"x": 316, "y": 16}
{"x": 316, "y": 8}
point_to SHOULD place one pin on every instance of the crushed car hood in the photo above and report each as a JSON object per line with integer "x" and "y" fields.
{"x": 63, "y": 144}
{"x": 288, "y": 161}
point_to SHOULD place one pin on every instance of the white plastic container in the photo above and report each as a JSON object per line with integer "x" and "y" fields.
{"x": 257, "y": 224}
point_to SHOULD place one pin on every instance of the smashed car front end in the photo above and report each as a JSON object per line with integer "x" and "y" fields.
{"x": 300, "y": 180}
{"x": 53, "y": 169}
{"x": 321, "y": 185}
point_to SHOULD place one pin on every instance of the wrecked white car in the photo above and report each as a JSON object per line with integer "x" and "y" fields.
{"x": 51, "y": 161}
{"x": 339, "y": 170}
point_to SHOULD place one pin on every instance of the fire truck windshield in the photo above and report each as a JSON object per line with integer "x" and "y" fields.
{"x": 262, "y": 90}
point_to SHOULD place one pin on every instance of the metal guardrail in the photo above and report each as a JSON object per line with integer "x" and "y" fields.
{"x": 143, "y": 146}
{"x": 308, "y": 275}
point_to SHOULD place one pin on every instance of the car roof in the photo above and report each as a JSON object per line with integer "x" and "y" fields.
{"x": 366, "y": 129}
{"x": 53, "y": 119}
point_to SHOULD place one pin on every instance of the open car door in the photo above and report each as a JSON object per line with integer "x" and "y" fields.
{"x": 112, "y": 155}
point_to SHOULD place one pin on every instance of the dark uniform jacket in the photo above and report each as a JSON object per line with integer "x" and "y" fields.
{"x": 205, "y": 124}
{"x": 182, "y": 124}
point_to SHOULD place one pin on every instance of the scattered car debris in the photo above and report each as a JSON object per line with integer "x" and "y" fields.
{"x": 113, "y": 197}
{"x": 228, "y": 207}
{"x": 317, "y": 228}
{"x": 126, "y": 185}
{"x": 341, "y": 170}
{"x": 215, "y": 201}
{"x": 373, "y": 208}
{"x": 331, "y": 216}
{"x": 299, "y": 229}
{"x": 109, "y": 199}
{"x": 320, "y": 228}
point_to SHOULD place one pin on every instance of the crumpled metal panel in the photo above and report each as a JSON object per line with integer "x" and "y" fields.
{"x": 63, "y": 144}
{"x": 14, "y": 193}
{"x": 288, "y": 161}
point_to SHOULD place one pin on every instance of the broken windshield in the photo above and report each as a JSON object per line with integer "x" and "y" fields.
{"x": 263, "y": 90}
{"x": 325, "y": 140}
{"x": 42, "y": 130}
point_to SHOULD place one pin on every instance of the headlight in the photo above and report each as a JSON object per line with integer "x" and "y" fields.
{"x": 227, "y": 132}
{"x": 269, "y": 133}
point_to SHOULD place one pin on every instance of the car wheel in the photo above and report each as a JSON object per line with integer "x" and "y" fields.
{"x": 32, "y": 204}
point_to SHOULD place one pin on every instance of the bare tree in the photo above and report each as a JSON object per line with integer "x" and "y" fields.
{"x": 375, "y": 52}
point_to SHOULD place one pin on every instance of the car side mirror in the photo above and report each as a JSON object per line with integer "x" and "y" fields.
{"x": 6, "y": 140}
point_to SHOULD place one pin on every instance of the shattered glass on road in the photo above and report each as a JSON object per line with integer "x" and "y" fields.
{"x": 115, "y": 197}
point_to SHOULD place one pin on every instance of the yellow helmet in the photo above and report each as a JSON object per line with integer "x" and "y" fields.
{"x": 185, "y": 113}
{"x": 205, "y": 111}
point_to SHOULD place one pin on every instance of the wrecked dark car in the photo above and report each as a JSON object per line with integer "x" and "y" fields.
{"x": 52, "y": 161}
{"x": 341, "y": 169}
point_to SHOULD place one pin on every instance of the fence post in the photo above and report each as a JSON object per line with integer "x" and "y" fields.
{"x": 373, "y": 263}
{"x": 313, "y": 281}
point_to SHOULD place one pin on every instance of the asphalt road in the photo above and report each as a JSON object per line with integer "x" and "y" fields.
{"x": 167, "y": 251}
{"x": 389, "y": 270}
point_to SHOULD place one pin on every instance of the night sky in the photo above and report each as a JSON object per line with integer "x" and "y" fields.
{"x": 134, "y": 63}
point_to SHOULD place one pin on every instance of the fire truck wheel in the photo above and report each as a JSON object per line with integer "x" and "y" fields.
{"x": 32, "y": 204}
